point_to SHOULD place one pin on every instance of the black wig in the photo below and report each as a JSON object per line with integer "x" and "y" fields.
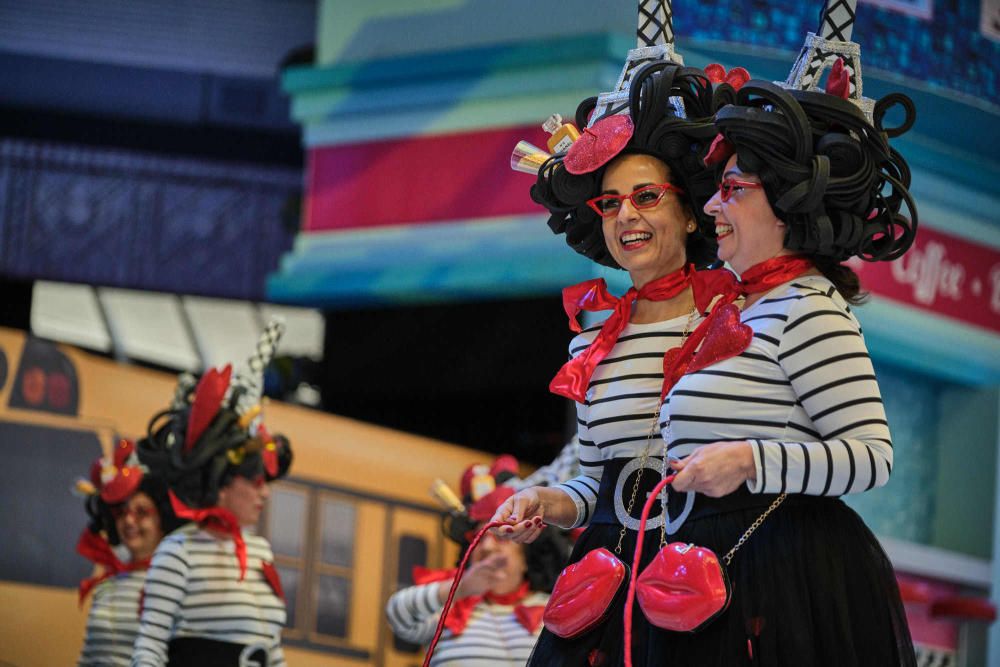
{"x": 828, "y": 173}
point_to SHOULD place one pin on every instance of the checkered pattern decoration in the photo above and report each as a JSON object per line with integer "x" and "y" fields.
{"x": 656, "y": 23}
{"x": 252, "y": 379}
{"x": 821, "y": 51}
{"x": 837, "y": 20}
{"x": 655, "y": 40}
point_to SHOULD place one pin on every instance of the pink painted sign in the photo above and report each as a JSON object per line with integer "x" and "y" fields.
{"x": 417, "y": 180}
{"x": 943, "y": 274}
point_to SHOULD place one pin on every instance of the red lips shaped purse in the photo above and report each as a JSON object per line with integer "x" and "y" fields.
{"x": 684, "y": 588}
{"x": 583, "y": 593}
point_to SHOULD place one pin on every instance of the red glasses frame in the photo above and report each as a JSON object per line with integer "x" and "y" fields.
{"x": 656, "y": 189}
{"x": 728, "y": 185}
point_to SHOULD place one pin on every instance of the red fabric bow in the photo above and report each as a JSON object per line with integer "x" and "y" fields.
{"x": 722, "y": 332}
{"x": 735, "y": 77}
{"x": 573, "y": 378}
{"x": 529, "y": 616}
{"x": 95, "y": 548}
{"x": 839, "y": 81}
{"x": 219, "y": 519}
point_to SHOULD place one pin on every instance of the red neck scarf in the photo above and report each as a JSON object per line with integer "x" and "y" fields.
{"x": 216, "y": 518}
{"x": 530, "y": 617}
{"x": 573, "y": 378}
{"x": 722, "y": 335}
{"x": 96, "y": 549}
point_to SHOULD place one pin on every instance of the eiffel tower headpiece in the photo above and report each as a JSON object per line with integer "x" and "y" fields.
{"x": 658, "y": 107}
{"x": 824, "y": 49}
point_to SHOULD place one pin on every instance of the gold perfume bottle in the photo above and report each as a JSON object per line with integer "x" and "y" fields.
{"x": 563, "y": 134}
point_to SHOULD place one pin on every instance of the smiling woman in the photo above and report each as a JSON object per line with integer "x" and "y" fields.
{"x": 128, "y": 507}
{"x": 629, "y": 194}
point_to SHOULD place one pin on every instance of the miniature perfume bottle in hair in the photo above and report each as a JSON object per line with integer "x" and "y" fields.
{"x": 563, "y": 134}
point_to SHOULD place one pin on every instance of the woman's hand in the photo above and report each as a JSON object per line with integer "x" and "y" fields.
{"x": 478, "y": 579}
{"x": 529, "y": 510}
{"x": 716, "y": 469}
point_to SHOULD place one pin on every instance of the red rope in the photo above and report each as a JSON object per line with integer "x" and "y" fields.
{"x": 454, "y": 588}
{"x": 630, "y": 598}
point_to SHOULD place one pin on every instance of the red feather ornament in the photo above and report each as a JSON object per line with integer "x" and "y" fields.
{"x": 207, "y": 403}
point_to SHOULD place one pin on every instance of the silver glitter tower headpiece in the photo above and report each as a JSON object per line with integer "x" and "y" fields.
{"x": 821, "y": 51}
{"x": 654, "y": 42}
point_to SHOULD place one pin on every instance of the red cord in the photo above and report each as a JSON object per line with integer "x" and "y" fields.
{"x": 454, "y": 588}
{"x": 630, "y": 598}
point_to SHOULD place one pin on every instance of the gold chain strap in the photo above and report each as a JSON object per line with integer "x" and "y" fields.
{"x": 645, "y": 452}
{"x": 754, "y": 526}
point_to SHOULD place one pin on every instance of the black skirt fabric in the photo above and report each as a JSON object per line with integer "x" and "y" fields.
{"x": 812, "y": 586}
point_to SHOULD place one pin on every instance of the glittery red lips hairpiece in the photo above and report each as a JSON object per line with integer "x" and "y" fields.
{"x": 839, "y": 81}
{"x": 735, "y": 77}
{"x": 719, "y": 151}
{"x": 598, "y": 144}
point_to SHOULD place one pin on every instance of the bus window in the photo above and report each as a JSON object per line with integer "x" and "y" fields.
{"x": 412, "y": 551}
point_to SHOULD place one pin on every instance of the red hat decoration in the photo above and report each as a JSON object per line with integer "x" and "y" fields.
{"x": 116, "y": 477}
{"x": 599, "y": 144}
{"x": 735, "y": 77}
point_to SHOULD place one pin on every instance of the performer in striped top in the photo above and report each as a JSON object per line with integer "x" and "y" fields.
{"x": 781, "y": 397}
{"x": 212, "y": 594}
{"x": 635, "y": 204}
{"x": 497, "y": 613}
{"x": 128, "y": 507}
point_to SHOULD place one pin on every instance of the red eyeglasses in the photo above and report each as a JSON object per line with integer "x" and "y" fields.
{"x": 730, "y": 185}
{"x": 138, "y": 512}
{"x": 643, "y": 198}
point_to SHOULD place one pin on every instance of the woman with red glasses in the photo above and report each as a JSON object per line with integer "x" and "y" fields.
{"x": 128, "y": 507}
{"x": 783, "y": 415}
{"x": 628, "y": 194}
{"x": 212, "y": 594}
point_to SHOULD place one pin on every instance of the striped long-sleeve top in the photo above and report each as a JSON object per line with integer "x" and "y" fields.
{"x": 193, "y": 590}
{"x": 493, "y": 637}
{"x": 618, "y": 419}
{"x": 113, "y": 621}
{"x": 804, "y": 394}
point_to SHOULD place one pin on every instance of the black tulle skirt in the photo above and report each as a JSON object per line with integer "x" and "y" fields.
{"x": 812, "y": 586}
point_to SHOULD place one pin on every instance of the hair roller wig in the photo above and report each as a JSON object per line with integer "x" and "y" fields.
{"x": 828, "y": 173}
{"x": 659, "y": 132}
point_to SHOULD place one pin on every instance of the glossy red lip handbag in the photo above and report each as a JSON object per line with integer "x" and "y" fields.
{"x": 686, "y": 586}
{"x": 583, "y": 594}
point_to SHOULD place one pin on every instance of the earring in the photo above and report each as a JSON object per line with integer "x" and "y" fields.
{"x": 691, "y": 227}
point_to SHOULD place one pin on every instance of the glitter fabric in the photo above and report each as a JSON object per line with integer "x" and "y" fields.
{"x": 726, "y": 337}
{"x": 598, "y": 144}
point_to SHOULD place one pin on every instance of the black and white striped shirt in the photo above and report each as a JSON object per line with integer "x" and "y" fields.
{"x": 618, "y": 419}
{"x": 193, "y": 590}
{"x": 493, "y": 637}
{"x": 113, "y": 621}
{"x": 804, "y": 394}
